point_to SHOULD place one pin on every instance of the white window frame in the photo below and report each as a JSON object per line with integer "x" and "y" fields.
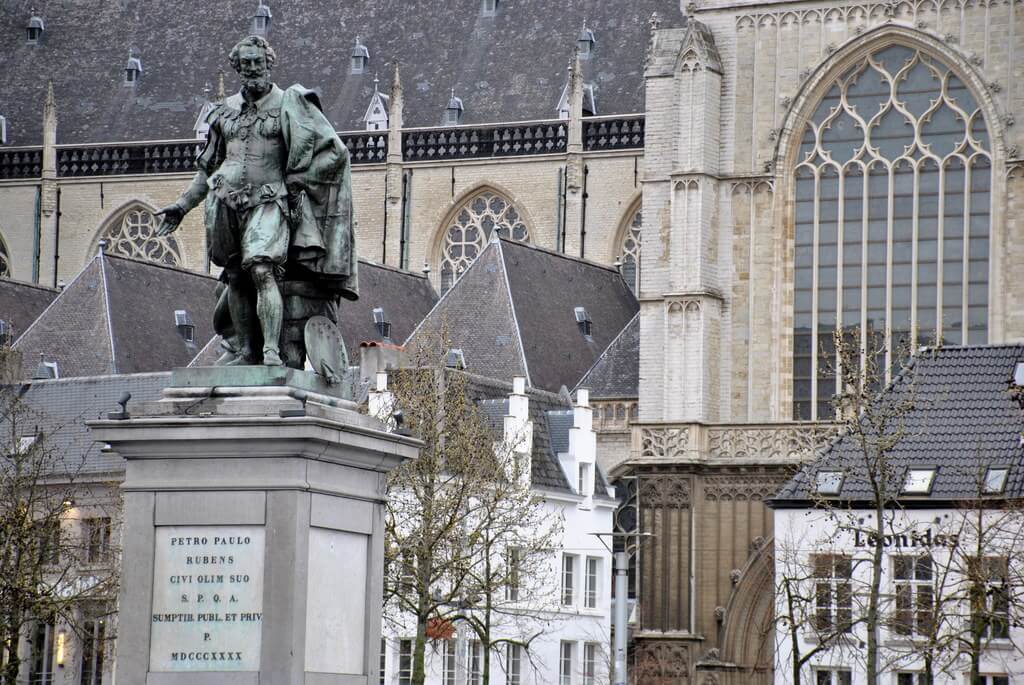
{"x": 834, "y": 675}
{"x": 838, "y": 587}
{"x": 591, "y": 650}
{"x": 918, "y": 589}
{"x": 592, "y": 589}
{"x": 449, "y": 659}
{"x": 566, "y": 662}
{"x": 474, "y": 662}
{"x": 514, "y": 665}
{"x": 568, "y": 580}
{"x": 405, "y": 669}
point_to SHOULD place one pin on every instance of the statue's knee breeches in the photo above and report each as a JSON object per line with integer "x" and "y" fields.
{"x": 263, "y": 275}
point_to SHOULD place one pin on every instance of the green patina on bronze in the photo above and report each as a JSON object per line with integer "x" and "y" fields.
{"x": 275, "y": 181}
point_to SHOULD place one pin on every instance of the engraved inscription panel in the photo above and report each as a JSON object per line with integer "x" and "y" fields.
{"x": 207, "y": 598}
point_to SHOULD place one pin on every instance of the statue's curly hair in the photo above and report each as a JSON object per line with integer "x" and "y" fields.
{"x": 255, "y": 41}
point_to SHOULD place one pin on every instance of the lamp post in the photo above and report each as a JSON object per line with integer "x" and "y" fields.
{"x": 620, "y": 608}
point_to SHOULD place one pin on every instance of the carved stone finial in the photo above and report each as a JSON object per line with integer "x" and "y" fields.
{"x": 995, "y": 86}
{"x": 735, "y": 575}
{"x": 949, "y": 37}
{"x": 221, "y": 94}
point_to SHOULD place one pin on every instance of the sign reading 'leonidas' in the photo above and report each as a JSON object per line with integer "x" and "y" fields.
{"x": 207, "y": 598}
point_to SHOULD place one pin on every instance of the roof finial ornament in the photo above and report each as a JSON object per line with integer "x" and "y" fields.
{"x": 376, "y": 83}
{"x": 221, "y": 94}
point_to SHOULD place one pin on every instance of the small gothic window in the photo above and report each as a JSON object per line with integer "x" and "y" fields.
{"x": 471, "y": 228}
{"x": 629, "y": 251}
{"x": 134, "y": 235}
{"x": 5, "y": 261}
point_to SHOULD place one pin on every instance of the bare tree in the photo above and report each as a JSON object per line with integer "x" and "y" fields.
{"x": 509, "y": 581}
{"x": 42, "y": 567}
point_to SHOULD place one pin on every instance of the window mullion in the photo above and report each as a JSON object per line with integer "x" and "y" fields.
{"x": 940, "y": 230}
{"x": 965, "y": 280}
{"x": 865, "y": 220}
{"x": 814, "y": 294}
{"x": 890, "y": 210}
{"x": 913, "y": 252}
{"x": 840, "y": 236}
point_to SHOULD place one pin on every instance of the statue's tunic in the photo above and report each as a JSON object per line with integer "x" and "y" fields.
{"x": 247, "y": 206}
{"x": 278, "y": 189}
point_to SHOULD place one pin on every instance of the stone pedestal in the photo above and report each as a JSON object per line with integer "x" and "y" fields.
{"x": 253, "y": 532}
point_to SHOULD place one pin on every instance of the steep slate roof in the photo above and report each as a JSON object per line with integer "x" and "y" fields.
{"x": 21, "y": 303}
{"x": 616, "y": 373}
{"x": 962, "y": 420}
{"x": 404, "y": 296}
{"x": 117, "y": 316}
{"x": 505, "y": 68}
{"x": 512, "y": 313}
{"x": 60, "y": 408}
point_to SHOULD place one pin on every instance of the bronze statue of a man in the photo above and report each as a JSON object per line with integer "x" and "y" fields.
{"x": 277, "y": 184}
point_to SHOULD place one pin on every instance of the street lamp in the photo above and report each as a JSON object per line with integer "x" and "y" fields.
{"x": 621, "y": 608}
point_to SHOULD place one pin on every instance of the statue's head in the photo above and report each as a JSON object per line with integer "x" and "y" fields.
{"x": 253, "y": 59}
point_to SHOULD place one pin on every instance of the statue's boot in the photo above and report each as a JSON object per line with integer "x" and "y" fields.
{"x": 271, "y": 357}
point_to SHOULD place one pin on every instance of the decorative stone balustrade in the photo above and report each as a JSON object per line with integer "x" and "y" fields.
{"x": 21, "y": 163}
{"x": 792, "y": 442}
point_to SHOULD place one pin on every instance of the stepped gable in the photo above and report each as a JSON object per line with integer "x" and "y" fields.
{"x": 513, "y": 313}
{"x": 21, "y": 303}
{"x": 477, "y": 316}
{"x": 492, "y": 397}
{"x": 509, "y": 67}
{"x": 61, "y": 407}
{"x": 963, "y": 419}
{"x": 616, "y": 373}
{"x": 404, "y": 296}
{"x": 117, "y": 316}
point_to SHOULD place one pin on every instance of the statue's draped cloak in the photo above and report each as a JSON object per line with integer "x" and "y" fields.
{"x": 318, "y": 177}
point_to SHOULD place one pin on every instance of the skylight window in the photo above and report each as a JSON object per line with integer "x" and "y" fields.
{"x": 829, "y": 482}
{"x": 918, "y": 481}
{"x": 995, "y": 480}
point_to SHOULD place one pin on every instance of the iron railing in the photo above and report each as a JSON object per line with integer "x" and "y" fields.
{"x": 365, "y": 147}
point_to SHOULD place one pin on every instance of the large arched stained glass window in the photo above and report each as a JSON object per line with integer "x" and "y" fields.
{"x": 892, "y": 218}
{"x": 629, "y": 251}
{"x": 133, "y": 234}
{"x": 468, "y": 232}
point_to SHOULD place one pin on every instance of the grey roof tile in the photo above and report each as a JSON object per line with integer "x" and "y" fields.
{"x": 61, "y": 407}
{"x": 616, "y": 373}
{"x": 512, "y": 313}
{"x": 21, "y": 303}
{"x": 505, "y": 68}
{"x": 962, "y": 420}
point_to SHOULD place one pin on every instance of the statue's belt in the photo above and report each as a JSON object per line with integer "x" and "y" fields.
{"x": 249, "y": 195}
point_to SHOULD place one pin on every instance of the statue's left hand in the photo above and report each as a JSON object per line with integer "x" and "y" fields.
{"x": 172, "y": 216}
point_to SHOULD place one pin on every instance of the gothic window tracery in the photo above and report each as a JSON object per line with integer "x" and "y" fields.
{"x": 892, "y": 221}
{"x": 629, "y": 251}
{"x": 133, "y": 235}
{"x": 470, "y": 229}
{"x": 5, "y": 260}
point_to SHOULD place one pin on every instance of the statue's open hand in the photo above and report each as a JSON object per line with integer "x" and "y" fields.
{"x": 172, "y": 216}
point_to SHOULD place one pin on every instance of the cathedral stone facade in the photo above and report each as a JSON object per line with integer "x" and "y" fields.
{"x": 761, "y": 172}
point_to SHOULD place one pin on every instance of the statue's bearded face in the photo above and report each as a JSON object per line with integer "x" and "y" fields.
{"x": 253, "y": 68}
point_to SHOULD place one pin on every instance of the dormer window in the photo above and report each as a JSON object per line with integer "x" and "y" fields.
{"x": 995, "y": 480}
{"x": 360, "y": 57}
{"x": 183, "y": 322}
{"x": 918, "y": 481}
{"x": 381, "y": 323}
{"x": 585, "y": 483}
{"x": 454, "y": 112}
{"x": 261, "y": 20}
{"x": 488, "y": 8}
{"x": 376, "y": 117}
{"x": 3, "y": 130}
{"x": 132, "y": 70}
{"x": 585, "y": 42}
{"x": 6, "y": 333}
{"x": 828, "y": 483}
{"x": 583, "y": 321}
{"x": 34, "y": 29}
{"x": 455, "y": 359}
